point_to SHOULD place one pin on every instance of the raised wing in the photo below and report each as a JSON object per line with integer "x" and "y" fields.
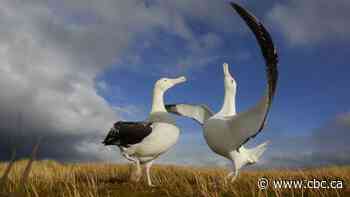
{"x": 251, "y": 122}
{"x": 248, "y": 124}
{"x": 200, "y": 113}
{"x": 128, "y": 133}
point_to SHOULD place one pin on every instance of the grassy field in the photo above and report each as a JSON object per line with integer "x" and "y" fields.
{"x": 49, "y": 178}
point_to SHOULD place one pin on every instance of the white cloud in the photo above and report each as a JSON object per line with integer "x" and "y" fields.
{"x": 40, "y": 78}
{"x": 312, "y": 21}
{"x": 102, "y": 85}
{"x": 130, "y": 111}
{"x": 51, "y": 53}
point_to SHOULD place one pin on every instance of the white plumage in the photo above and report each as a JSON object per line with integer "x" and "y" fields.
{"x": 142, "y": 142}
{"x": 226, "y": 131}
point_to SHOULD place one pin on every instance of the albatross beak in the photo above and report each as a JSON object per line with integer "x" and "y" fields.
{"x": 226, "y": 70}
{"x": 225, "y": 67}
{"x": 180, "y": 79}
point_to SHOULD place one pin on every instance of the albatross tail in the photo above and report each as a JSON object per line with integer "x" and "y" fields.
{"x": 247, "y": 156}
{"x": 255, "y": 153}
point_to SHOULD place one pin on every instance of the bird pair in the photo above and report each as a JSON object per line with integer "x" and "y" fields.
{"x": 225, "y": 132}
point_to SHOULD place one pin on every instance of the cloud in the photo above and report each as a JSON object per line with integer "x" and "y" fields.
{"x": 53, "y": 52}
{"x": 47, "y": 78}
{"x": 326, "y": 145}
{"x": 343, "y": 119}
{"x": 313, "y": 21}
{"x": 323, "y": 146}
{"x": 331, "y": 141}
{"x": 199, "y": 52}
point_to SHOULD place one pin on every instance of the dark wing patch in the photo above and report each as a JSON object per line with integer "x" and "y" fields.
{"x": 128, "y": 133}
{"x": 268, "y": 50}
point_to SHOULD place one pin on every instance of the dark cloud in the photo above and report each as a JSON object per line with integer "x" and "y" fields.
{"x": 61, "y": 147}
{"x": 327, "y": 145}
{"x": 331, "y": 142}
{"x": 52, "y": 52}
{"x": 19, "y": 133}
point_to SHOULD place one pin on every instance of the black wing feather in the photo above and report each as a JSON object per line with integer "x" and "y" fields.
{"x": 268, "y": 50}
{"x": 125, "y": 134}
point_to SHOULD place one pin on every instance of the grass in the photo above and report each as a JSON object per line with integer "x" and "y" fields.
{"x": 50, "y": 178}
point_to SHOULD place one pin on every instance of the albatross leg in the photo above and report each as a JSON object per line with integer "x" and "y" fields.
{"x": 233, "y": 175}
{"x": 148, "y": 166}
{"x": 137, "y": 175}
{"x": 138, "y": 171}
{"x": 235, "y": 166}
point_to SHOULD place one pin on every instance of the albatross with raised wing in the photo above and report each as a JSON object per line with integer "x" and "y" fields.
{"x": 227, "y": 131}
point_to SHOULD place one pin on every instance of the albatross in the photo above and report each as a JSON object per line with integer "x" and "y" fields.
{"x": 142, "y": 142}
{"x": 227, "y": 131}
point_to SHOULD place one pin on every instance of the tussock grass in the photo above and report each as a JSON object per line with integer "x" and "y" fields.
{"x": 50, "y": 178}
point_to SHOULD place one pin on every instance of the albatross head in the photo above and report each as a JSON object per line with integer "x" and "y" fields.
{"x": 164, "y": 84}
{"x": 230, "y": 82}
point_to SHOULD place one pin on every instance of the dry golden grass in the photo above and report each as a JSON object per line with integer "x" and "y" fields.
{"x": 49, "y": 178}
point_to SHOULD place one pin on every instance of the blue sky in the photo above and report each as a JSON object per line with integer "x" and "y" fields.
{"x": 312, "y": 89}
{"x": 76, "y": 67}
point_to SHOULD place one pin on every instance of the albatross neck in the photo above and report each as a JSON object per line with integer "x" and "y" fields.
{"x": 158, "y": 101}
{"x": 229, "y": 106}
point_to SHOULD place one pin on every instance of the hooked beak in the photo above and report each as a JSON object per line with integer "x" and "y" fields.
{"x": 226, "y": 70}
{"x": 179, "y": 80}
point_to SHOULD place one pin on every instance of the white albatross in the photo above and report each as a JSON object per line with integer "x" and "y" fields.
{"x": 142, "y": 142}
{"x": 226, "y": 131}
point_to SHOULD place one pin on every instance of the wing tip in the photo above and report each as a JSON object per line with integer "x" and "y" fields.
{"x": 235, "y": 6}
{"x": 171, "y": 107}
{"x": 265, "y": 41}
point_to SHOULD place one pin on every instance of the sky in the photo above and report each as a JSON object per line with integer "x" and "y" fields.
{"x": 70, "y": 69}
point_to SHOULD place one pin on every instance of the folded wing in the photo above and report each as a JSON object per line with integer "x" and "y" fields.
{"x": 128, "y": 133}
{"x": 199, "y": 113}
